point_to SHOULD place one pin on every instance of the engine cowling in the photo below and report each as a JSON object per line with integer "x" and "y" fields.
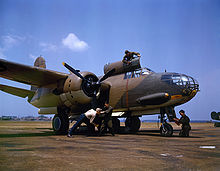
{"x": 82, "y": 91}
{"x": 77, "y": 91}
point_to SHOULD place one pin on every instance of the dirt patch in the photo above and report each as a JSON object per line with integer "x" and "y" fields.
{"x": 33, "y": 146}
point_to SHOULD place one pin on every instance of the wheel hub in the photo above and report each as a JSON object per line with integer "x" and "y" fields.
{"x": 57, "y": 123}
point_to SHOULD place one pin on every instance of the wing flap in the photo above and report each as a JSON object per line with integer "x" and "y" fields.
{"x": 35, "y": 76}
{"x": 16, "y": 91}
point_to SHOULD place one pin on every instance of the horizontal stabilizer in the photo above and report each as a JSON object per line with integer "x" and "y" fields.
{"x": 16, "y": 91}
{"x": 154, "y": 99}
{"x": 35, "y": 76}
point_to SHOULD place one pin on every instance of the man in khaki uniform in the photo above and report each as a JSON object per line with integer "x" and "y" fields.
{"x": 129, "y": 56}
{"x": 106, "y": 122}
{"x": 184, "y": 120}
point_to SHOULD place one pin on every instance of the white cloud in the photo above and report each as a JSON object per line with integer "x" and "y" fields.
{"x": 2, "y": 56}
{"x": 48, "y": 46}
{"x": 72, "y": 42}
{"x": 8, "y": 42}
{"x": 11, "y": 40}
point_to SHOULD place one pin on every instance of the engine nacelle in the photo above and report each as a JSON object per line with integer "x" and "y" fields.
{"x": 74, "y": 83}
{"x": 76, "y": 91}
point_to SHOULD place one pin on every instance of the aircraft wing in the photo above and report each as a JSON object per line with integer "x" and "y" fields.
{"x": 16, "y": 91}
{"x": 29, "y": 75}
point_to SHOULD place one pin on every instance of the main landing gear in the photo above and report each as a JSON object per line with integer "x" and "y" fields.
{"x": 116, "y": 124}
{"x": 132, "y": 124}
{"x": 60, "y": 123}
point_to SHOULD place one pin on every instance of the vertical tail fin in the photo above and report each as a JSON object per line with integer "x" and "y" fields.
{"x": 39, "y": 62}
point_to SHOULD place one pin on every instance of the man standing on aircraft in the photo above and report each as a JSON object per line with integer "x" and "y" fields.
{"x": 184, "y": 120}
{"x": 90, "y": 115}
{"x": 106, "y": 123}
{"x": 129, "y": 56}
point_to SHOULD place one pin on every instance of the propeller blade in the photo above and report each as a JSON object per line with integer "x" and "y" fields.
{"x": 108, "y": 74}
{"x": 73, "y": 71}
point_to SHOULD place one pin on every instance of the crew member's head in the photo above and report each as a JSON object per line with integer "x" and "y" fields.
{"x": 98, "y": 110}
{"x": 126, "y": 52}
{"x": 182, "y": 112}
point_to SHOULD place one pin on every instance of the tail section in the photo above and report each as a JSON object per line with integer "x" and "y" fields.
{"x": 39, "y": 62}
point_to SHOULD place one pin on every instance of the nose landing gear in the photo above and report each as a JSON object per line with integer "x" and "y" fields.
{"x": 166, "y": 129}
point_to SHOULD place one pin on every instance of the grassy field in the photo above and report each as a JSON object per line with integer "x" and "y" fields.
{"x": 33, "y": 146}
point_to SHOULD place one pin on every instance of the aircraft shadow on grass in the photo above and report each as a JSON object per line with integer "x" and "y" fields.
{"x": 123, "y": 131}
{"x": 40, "y": 134}
{"x": 155, "y": 133}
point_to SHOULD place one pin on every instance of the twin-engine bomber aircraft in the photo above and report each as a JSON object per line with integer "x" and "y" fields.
{"x": 131, "y": 90}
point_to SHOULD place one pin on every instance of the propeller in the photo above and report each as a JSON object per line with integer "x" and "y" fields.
{"x": 91, "y": 86}
{"x": 108, "y": 74}
{"x": 73, "y": 71}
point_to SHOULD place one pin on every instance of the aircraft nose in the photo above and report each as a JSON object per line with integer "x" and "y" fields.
{"x": 187, "y": 84}
{"x": 190, "y": 85}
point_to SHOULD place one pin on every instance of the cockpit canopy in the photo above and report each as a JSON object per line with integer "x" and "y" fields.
{"x": 138, "y": 73}
{"x": 180, "y": 80}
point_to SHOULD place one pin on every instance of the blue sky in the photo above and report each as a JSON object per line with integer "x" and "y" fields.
{"x": 176, "y": 35}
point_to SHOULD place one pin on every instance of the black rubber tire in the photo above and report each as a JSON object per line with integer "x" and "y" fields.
{"x": 132, "y": 124}
{"x": 116, "y": 125}
{"x": 60, "y": 124}
{"x": 167, "y": 131}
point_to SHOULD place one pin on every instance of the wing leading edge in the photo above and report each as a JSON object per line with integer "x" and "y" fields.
{"x": 35, "y": 76}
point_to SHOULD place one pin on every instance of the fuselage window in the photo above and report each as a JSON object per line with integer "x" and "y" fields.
{"x": 128, "y": 75}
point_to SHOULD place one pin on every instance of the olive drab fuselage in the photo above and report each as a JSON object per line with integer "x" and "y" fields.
{"x": 128, "y": 88}
{"x": 131, "y": 89}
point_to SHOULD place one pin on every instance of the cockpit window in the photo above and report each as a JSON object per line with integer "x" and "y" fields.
{"x": 138, "y": 73}
{"x": 146, "y": 71}
{"x": 166, "y": 77}
{"x": 173, "y": 79}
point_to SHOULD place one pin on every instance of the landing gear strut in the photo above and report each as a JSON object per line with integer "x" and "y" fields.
{"x": 116, "y": 124}
{"x": 60, "y": 123}
{"x": 166, "y": 129}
